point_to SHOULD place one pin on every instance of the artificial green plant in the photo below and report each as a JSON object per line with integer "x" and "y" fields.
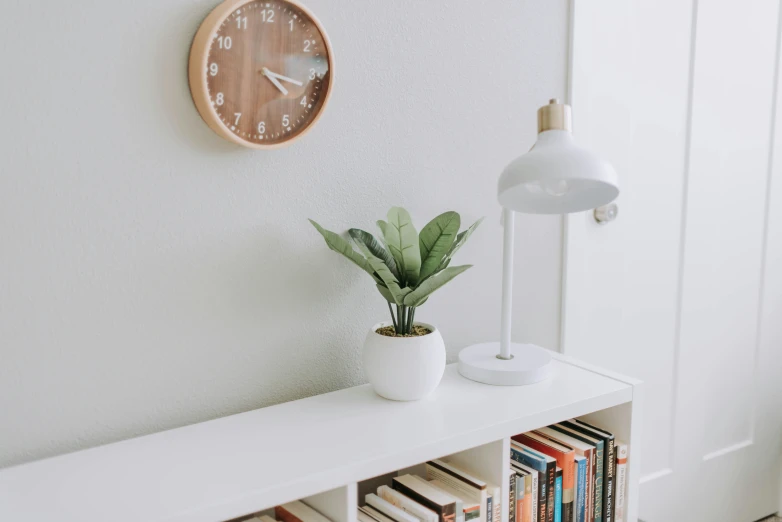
{"x": 405, "y": 265}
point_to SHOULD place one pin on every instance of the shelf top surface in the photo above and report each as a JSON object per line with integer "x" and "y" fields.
{"x": 217, "y": 468}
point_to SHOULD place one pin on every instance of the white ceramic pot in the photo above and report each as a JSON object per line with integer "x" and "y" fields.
{"x": 404, "y": 368}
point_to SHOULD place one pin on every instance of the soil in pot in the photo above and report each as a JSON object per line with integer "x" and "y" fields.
{"x": 389, "y": 331}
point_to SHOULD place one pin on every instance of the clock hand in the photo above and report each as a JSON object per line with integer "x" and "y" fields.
{"x": 274, "y": 81}
{"x": 277, "y": 84}
{"x": 283, "y": 78}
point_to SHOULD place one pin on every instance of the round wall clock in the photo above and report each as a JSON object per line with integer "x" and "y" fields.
{"x": 261, "y": 71}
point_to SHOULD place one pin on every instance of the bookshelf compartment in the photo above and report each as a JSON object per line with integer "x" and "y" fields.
{"x": 487, "y": 462}
{"x": 621, "y": 421}
{"x": 335, "y": 504}
{"x": 625, "y": 426}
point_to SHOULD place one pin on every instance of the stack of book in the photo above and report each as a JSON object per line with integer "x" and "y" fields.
{"x": 296, "y": 511}
{"x": 446, "y": 494}
{"x": 567, "y": 472}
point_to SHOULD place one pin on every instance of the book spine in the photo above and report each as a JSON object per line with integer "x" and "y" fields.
{"x": 446, "y": 513}
{"x": 599, "y": 483}
{"x": 527, "y": 498}
{"x": 608, "y": 482}
{"x": 497, "y": 494}
{"x": 582, "y": 489}
{"x": 568, "y": 489}
{"x": 489, "y": 508}
{"x": 551, "y": 478}
{"x": 568, "y": 501}
{"x": 520, "y": 498}
{"x": 512, "y": 499}
{"x": 621, "y": 482}
{"x": 589, "y": 516}
{"x": 575, "y": 492}
{"x": 558, "y": 497}
{"x": 535, "y": 496}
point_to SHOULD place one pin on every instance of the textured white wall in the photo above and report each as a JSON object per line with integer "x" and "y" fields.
{"x": 153, "y": 275}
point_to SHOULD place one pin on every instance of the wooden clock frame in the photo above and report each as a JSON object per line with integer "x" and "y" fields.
{"x": 199, "y": 57}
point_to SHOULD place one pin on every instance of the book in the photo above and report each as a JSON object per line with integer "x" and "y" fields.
{"x": 406, "y": 504}
{"x": 545, "y": 465}
{"x": 584, "y": 449}
{"x": 524, "y": 498}
{"x": 521, "y": 495}
{"x": 471, "y": 509}
{"x": 298, "y": 511}
{"x": 375, "y": 514}
{"x": 419, "y": 490}
{"x": 512, "y": 497}
{"x": 621, "y": 481}
{"x": 609, "y": 467}
{"x": 490, "y": 506}
{"x": 459, "y": 504}
{"x": 263, "y": 518}
{"x": 472, "y": 488}
{"x": 580, "y": 463}
{"x": 496, "y": 503}
{"x": 564, "y": 455}
{"x": 528, "y": 492}
{"x": 457, "y": 498}
{"x": 577, "y": 432}
{"x": 388, "y": 509}
{"x": 558, "y": 496}
{"x": 533, "y": 500}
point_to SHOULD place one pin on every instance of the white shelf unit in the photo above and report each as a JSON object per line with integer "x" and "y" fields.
{"x": 317, "y": 449}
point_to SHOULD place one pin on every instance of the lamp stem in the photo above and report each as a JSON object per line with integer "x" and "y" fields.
{"x": 508, "y": 218}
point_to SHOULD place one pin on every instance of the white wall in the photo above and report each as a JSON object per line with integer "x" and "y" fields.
{"x": 154, "y": 275}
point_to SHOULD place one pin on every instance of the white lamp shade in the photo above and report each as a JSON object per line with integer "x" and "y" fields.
{"x": 557, "y": 177}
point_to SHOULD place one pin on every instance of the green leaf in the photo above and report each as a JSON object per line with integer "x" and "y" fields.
{"x": 388, "y": 296}
{"x": 402, "y": 241}
{"x": 420, "y": 294}
{"x": 386, "y": 293}
{"x": 337, "y": 244}
{"x": 382, "y": 225}
{"x": 461, "y": 239}
{"x": 388, "y": 278}
{"x": 435, "y": 241}
{"x": 375, "y": 247}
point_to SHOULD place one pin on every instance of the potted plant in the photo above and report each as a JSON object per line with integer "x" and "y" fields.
{"x": 404, "y": 360}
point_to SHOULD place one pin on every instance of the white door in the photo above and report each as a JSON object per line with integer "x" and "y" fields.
{"x": 684, "y": 289}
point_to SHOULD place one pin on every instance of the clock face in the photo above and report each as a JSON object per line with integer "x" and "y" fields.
{"x": 265, "y": 71}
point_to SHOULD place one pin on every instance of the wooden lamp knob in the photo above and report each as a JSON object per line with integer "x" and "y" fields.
{"x": 555, "y": 116}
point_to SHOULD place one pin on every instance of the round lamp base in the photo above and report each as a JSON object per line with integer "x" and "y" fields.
{"x": 530, "y": 364}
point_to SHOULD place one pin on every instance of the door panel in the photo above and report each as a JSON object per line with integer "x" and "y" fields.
{"x": 729, "y": 153}
{"x": 684, "y": 290}
{"x": 636, "y": 258}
